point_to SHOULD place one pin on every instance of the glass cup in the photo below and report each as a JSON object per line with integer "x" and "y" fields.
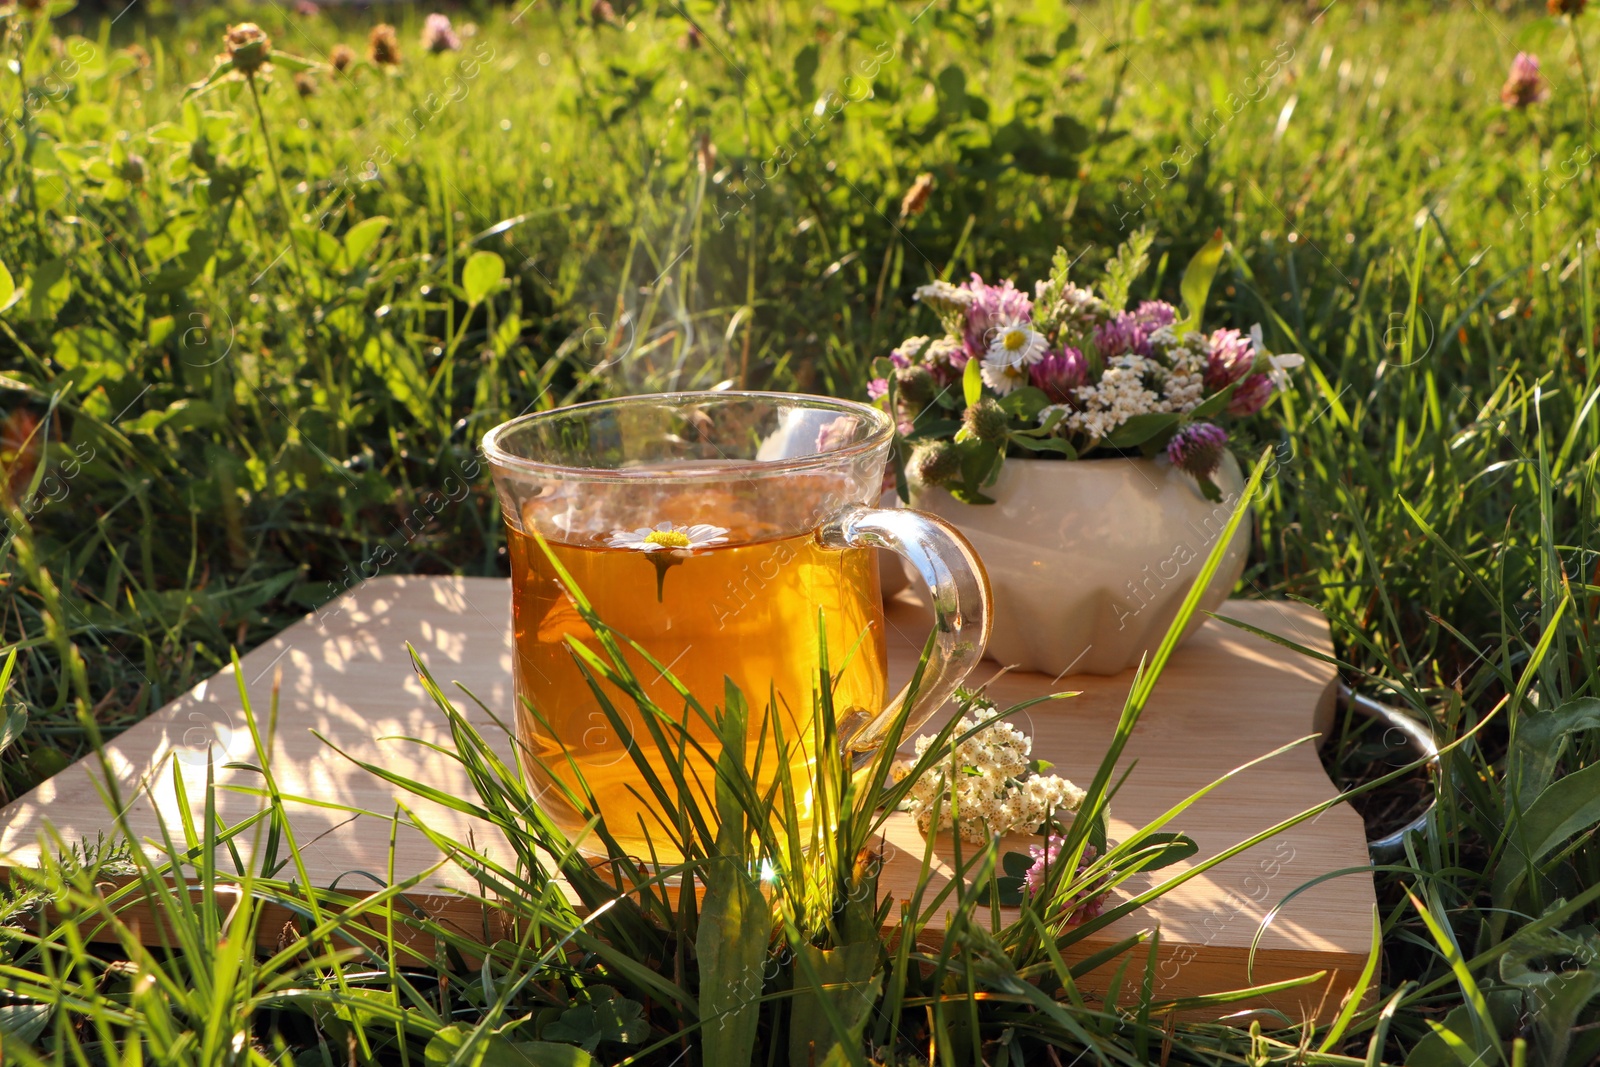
{"x": 712, "y": 529}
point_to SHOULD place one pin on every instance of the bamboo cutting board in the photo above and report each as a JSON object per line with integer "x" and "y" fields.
{"x": 1225, "y": 698}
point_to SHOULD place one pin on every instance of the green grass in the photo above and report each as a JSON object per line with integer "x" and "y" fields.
{"x": 240, "y": 399}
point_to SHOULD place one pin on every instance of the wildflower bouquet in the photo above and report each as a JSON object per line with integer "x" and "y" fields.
{"x": 1070, "y": 373}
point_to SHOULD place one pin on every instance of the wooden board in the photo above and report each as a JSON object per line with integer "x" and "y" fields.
{"x": 1226, "y": 697}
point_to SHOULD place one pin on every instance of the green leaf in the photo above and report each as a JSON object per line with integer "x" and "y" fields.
{"x": 484, "y": 271}
{"x": 1024, "y": 403}
{"x": 182, "y": 414}
{"x": 23, "y": 1023}
{"x": 805, "y": 73}
{"x": 972, "y": 381}
{"x": 1569, "y": 806}
{"x": 8, "y": 288}
{"x": 1139, "y": 429}
{"x": 495, "y": 1050}
{"x": 735, "y": 920}
{"x": 1045, "y": 444}
{"x": 1542, "y": 739}
{"x": 848, "y": 979}
{"x": 360, "y": 238}
{"x": 1124, "y": 269}
{"x": 13, "y": 722}
{"x": 604, "y": 1017}
{"x": 48, "y": 290}
{"x": 1197, "y": 278}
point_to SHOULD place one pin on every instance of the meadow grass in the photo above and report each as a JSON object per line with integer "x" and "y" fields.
{"x": 230, "y": 393}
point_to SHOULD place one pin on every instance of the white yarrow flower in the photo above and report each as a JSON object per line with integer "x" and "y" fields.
{"x": 664, "y": 536}
{"x": 943, "y": 293}
{"x": 992, "y": 791}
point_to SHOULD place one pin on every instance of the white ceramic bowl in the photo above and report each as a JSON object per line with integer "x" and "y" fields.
{"x": 1090, "y": 560}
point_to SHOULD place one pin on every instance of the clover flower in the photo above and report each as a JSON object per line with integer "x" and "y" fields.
{"x": 1084, "y": 904}
{"x": 992, "y": 790}
{"x": 992, "y": 308}
{"x": 1155, "y": 314}
{"x": 1230, "y": 355}
{"x": 248, "y": 46}
{"x": 877, "y": 389}
{"x": 917, "y": 386}
{"x": 935, "y": 463}
{"x": 383, "y": 45}
{"x": 1198, "y": 448}
{"x": 342, "y": 57}
{"x": 1251, "y": 395}
{"x": 1122, "y": 335}
{"x": 1524, "y": 84}
{"x": 1059, "y": 374}
{"x": 438, "y": 35}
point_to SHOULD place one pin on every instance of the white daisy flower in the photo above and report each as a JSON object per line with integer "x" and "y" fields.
{"x": 1002, "y": 373}
{"x": 666, "y": 536}
{"x": 1018, "y": 343}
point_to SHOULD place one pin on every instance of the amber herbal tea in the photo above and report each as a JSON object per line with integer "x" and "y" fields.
{"x": 744, "y": 610}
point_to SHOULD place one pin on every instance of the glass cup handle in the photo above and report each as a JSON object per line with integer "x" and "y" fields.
{"x": 958, "y": 587}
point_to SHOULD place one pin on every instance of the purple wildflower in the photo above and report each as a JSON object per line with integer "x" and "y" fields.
{"x": 1231, "y": 355}
{"x": 1198, "y": 448}
{"x": 438, "y": 36}
{"x": 993, "y": 306}
{"x": 1524, "y": 85}
{"x": 836, "y": 434}
{"x": 1058, "y": 374}
{"x": 877, "y": 389}
{"x": 1121, "y": 335}
{"x": 1084, "y": 904}
{"x": 1156, "y": 314}
{"x": 1251, "y": 395}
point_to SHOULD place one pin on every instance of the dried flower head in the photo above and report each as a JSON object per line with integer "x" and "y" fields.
{"x": 343, "y": 57}
{"x": 935, "y": 463}
{"x": 438, "y": 35}
{"x": 602, "y": 11}
{"x": 248, "y": 46}
{"x": 305, "y": 84}
{"x": 987, "y": 420}
{"x": 383, "y": 45}
{"x": 1524, "y": 84}
{"x": 1568, "y": 7}
{"x": 132, "y": 169}
{"x": 691, "y": 38}
{"x": 917, "y": 385}
{"x": 915, "y": 202}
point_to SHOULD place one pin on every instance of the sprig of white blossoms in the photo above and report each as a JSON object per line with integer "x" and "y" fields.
{"x": 1138, "y": 385}
{"x": 994, "y": 792}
